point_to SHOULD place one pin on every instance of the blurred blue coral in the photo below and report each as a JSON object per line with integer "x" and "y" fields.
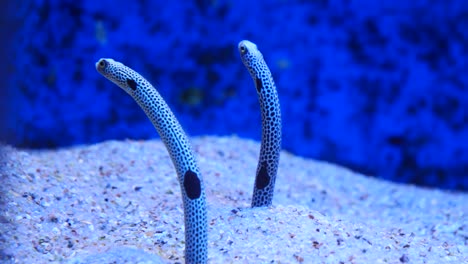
{"x": 380, "y": 89}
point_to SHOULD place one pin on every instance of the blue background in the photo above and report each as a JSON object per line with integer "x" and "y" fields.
{"x": 378, "y": 86}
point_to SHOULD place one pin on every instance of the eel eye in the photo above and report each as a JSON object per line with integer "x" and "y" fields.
{"x": 243, "y": 50}
{"x": 102, "y": 64}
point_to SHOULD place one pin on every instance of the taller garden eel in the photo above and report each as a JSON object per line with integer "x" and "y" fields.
{"x": 270, "y": 148}
{"x": 179, "y": 148}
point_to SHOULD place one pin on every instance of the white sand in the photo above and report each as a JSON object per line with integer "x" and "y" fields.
{"x": 119, "y": 202}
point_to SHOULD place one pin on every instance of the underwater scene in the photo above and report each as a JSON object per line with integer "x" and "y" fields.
{"x": 327, "y": 131}
{"x": 378, "y": 87}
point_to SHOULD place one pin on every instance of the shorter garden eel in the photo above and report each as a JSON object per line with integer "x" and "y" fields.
{"x": 270, "y": 148}
{"x": 179, "y": 148}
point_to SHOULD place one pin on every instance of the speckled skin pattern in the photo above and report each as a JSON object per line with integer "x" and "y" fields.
{"x": 179, "y": 149}
{"x": 271, "y": 123}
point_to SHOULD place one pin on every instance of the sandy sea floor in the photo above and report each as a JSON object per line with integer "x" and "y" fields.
{"x": 120, "y": 202}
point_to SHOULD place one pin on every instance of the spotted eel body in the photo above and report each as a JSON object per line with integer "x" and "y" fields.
{"x": 179, "y": 148}
{"x": 271, "y": 123}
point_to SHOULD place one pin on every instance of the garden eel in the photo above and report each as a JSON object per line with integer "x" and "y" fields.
{"x": 271, "y": 123}
{"x": 179, "y": 148}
